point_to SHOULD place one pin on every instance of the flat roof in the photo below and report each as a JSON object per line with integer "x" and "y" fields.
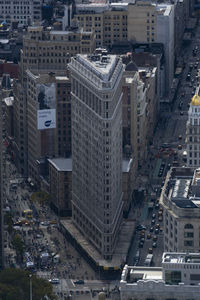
{"x": 181, "y": 258}
{"x": 147, "y": 273}
{"x": 126, "y": 165}
{"x": 62, "y": 78}
{"x": 101, "y": 65}
{"x": 61, "y": 164}
{"x": 9, "y": 101}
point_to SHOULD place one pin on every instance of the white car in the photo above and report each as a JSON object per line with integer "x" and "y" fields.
{"x": 54, "y": 281}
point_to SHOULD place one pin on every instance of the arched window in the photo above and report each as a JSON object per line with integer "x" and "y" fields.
{"x": 188, "y": 226}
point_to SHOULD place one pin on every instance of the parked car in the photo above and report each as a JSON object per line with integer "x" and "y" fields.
{"x": 155, "y": 238}
{"x": 150, "y": 251}
{"x": 80, "y": 281}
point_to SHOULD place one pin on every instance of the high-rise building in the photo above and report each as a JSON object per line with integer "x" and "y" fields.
{"x": 23, "y": 11}
{"x": 154, "y": 23}
{"x": 192, "y": 133}
{"x": 44, "y": 51}
{"x": 48, "y": 120}
{"x": 107, "y": 20}
{"x": 97, "y": 148}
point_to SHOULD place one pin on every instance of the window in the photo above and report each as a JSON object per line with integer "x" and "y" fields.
{"x": 188, "y": 226}
{"x": 172, "y": 277}
{"x": 188, "y": 234}
{"x": 188, "y": 243}
{"x": 195, "y": 277}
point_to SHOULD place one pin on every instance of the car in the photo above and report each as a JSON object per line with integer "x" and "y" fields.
{"x": 179, "y": 147}
{"x": 188, "y": 77}
{"x": 140, "y": 227}
{"x": 154, "y": 245}
{"x": 181, "y": 113}
{"x": 141, "y": 244}
{"x": 142, "y": 239}
{"x": 149, "y": 236}
{"x": 153, "y": 216}
{"x": 155, "y": 238}
{"x": 80, "y": 281}
{"x": 168, "y": 166}
{"x": 158, "y": 225}
{"x": 54, "y": 280}
{"x": 156, "y": 231}
{"x": 151, "y": 229}
{"x": 166, "y": 145}
{"x": 152, "y": 222}
{"x": 157, "y": 206}
{"x": 150, "y": 250}
{"x": 45, "y": 223}
{"x": 180, "y": 137}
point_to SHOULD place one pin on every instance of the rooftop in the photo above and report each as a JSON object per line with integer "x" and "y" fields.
{"x": 101, "y": 65}
{"x": 126, "y": 165}
{"x": 61, "y": 164}
{"x": 9, "y": 101}
{"x": 183, "y": 188}
{"x": 181, "y": 258}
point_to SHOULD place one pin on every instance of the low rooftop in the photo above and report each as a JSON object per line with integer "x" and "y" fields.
{"x": 132, "y": 274}
{"x": 181, "y": 258}
{"x": 183, "y": 187}
{"x": 61, "y": 164}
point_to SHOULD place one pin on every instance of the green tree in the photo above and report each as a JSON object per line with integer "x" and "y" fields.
{"x": 19, "y": 246}
{"x": 15, "y": 284}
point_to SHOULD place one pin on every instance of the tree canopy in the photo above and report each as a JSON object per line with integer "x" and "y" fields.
{"x": 15, "y": 284}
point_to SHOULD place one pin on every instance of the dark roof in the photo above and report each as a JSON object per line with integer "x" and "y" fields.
{"x": 184, "y": 203}
{"x": 131, "y": 66}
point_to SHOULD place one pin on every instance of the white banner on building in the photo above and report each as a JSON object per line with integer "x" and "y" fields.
{"x": 46, "y": 113}
{"x": 46, "y": 118}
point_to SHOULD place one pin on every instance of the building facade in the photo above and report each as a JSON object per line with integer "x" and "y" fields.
{"x": 180, "y": 202}
{"x": 107, "y": 20}
{"x": 154, "y": 23}
{"x": 97, "y": 148}
{"x": 60, "y": 180}
{"x": 46, "y": 51}
{"x": 24, "y": 11}
{"x": 192, "y": 133}
{"x": 48, "y": 120}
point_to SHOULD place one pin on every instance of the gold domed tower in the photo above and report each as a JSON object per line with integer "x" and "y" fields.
{"x": 195, "y": 100}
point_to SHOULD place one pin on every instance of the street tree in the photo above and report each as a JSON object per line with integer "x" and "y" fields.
{"x": 15, "y": 284}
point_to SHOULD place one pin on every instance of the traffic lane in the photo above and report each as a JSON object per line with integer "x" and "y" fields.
{"x": 148, "y": 243}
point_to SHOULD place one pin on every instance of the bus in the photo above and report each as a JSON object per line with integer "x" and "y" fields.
{"x": 28, "y": 213}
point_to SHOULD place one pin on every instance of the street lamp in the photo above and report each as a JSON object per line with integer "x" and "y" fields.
{"x": 31, "y": 291}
